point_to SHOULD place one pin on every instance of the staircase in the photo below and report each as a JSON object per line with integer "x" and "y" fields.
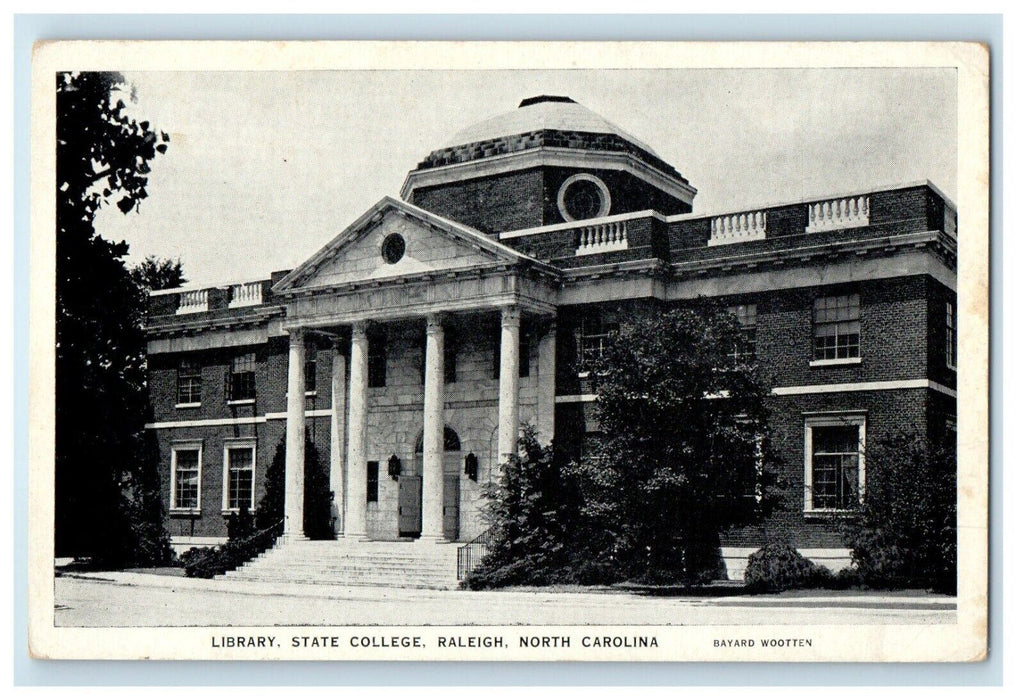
{"x": 351, "y": 563}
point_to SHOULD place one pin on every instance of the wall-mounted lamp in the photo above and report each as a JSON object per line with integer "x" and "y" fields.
{"x": 471, "y": 466}
{"x": 394, "y": 467}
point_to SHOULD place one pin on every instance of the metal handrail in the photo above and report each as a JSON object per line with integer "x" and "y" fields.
{"x": 472, "y": 553}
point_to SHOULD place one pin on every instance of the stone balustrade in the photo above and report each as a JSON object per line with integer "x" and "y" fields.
{"x": 834, "y": 214}
{"x": 246, "y": 294}
{"x": 602, "y": 238}
{"x": 194, "y": 301}
{"x": 735, "y": 228}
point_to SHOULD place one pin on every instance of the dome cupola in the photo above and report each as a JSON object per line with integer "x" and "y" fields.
{"x": 549, "y": 161}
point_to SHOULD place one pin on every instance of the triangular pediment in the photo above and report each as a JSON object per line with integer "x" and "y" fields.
{"x": 431, "y": 244}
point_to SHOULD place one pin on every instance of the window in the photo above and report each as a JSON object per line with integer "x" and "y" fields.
{"x": 190, "y": 383}
{"x": 239, "y": 475}
{"x": 593, "y": 336}
{"x": 377, "y": 361}
{"x": 950, "y": 335}
{"x": 524, "y": 356}
{"x": 372, "y": 481}
{"x": 837, "y": 327}
{"x": 745, "y": 350}
{"x": 185, "y": 470}
{"x": 243, "y": 378}
{"x": 310, "y": 368}
{"x": 834, "y": 468}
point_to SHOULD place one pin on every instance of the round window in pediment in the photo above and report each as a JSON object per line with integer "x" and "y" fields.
{"x": 583, "y": 196}
{"x": 393, "y": 248}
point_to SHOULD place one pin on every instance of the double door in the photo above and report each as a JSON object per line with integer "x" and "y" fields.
{"x": 410, "y": 506}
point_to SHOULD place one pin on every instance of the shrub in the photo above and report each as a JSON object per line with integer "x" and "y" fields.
{"x": 904, "y": 532}
{"x": 779, "y": 567}
{"x": 207, "y": 562}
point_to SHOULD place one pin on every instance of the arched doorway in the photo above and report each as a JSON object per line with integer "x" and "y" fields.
{"x": 410, "y": 490}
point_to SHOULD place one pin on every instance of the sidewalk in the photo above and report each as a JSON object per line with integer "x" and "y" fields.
{"x": 139, "y": 599}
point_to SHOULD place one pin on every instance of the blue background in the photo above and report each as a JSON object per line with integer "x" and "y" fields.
{"x": 31, "y": 28}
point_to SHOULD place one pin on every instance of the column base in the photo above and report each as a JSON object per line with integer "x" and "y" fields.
{"x": 354, "y": 536}
{"x": 433, "y": 539}
{"x": 294, "y": 537}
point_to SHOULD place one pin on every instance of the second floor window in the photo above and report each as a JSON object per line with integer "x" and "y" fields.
{"x": 950, "y": 335}
{"x": 745, "y": 350}
{"x": 242, "y": 380}
{"x": 594, "y": 336}
{"x": 310, "y": 369}
{"x": 377, "y": 361}
{"x": 837, "y": 327}
{"x": 190, "y": 382}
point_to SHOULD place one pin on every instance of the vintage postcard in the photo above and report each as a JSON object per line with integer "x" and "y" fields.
{"x": 509, "y": 351}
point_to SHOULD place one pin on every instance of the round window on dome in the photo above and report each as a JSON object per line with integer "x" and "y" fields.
{"x": 583, "y": 196}
{"x": 393, "y": 248}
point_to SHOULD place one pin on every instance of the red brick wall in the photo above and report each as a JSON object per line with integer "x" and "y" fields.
{"x": 493, "y": 204}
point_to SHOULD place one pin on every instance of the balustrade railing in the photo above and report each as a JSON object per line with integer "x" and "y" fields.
{"x": 602, "y": 238}
{"x": 246, "y": 294}
{"x": 735, "y": 228}
{"x": 833, "y": 214}
{"x": 193, "y": 301}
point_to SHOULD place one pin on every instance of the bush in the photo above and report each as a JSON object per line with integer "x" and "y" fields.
{"x": 207, "y": 562}
{"x": 779, "y": 567}
{"x": 904, "y": 533}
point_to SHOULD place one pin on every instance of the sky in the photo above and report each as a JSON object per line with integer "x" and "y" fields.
{"x": 265, "y": 168}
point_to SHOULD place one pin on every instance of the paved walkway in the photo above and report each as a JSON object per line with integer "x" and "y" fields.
{"x": 120, "y": 599}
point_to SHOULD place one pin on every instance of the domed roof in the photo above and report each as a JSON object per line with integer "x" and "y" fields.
{"x": 545, "y": 121}
{"x": 544, "y": 112}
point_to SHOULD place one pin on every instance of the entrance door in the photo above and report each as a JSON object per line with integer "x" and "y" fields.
{"x": 410, "y": 508}
{"x": 451, "y": 507}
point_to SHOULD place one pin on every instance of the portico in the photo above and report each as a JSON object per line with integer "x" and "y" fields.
{"x": 480, "y": 284}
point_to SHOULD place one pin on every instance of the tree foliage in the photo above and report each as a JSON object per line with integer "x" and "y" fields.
{"x": 904, "y": 532}
{"x": 316, "y": 504}
{"x": 533, "y": 514}
{"x": 155, "y": 273}
{"x": 683, "y": 455}
{"x": 107, "y": 501}
{"x": 684, "y": 451}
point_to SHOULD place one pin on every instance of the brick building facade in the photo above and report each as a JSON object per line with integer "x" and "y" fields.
{"x": 413, "y": 345}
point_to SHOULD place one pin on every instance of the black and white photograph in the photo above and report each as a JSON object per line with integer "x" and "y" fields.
{"x": 509, "y": 352}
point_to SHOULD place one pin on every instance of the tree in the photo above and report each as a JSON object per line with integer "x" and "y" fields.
{"x": 684, "y": 451}
{"x": 155, "y": 273}
{"x": 903, "y": 534}
{"x": 105, "y": 506}
{"x": 533, "y": 514}
{"x": 316, "y": 503}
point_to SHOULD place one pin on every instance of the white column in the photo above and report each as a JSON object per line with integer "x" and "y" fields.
{"x": 355, "y": 478}
{"x": 546, "y": 383}
{"x": 433, "y": 434}
{"x": 508, "y": 385}
{"x": 339, "y": 403}
{"x": 295, "y": 435}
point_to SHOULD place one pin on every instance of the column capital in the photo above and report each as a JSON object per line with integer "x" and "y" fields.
{"x": 435, "y": 322}
{"x": 510, "y": 315}
{"x": 360, "y": 328}
{"x": 297, "y": 335}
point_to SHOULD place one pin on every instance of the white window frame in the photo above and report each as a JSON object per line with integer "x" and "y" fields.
{"x": 189, "y": 446}
{"x": 948, "y": 328}
{"x": 843, "y": 419}
{"x": 237, "y": 444}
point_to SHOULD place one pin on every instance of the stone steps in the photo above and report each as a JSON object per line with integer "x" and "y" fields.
{"x": 348, "y": 563}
